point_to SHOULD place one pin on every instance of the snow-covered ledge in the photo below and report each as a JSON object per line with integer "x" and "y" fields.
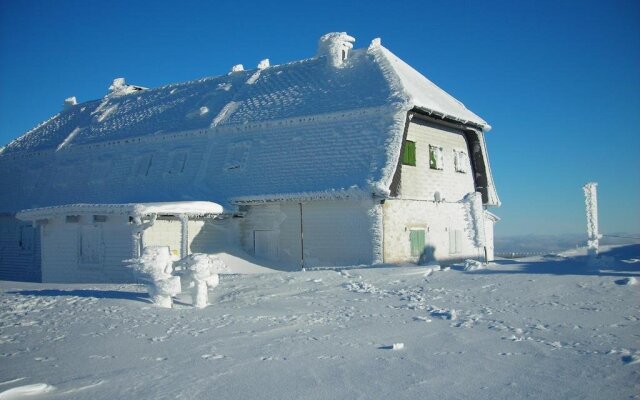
{"x": 134, "y": 210}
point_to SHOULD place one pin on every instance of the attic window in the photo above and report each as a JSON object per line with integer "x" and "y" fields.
{"x": 409, "y": 153}
{"x": 436, "y": 158}
{"x": 460, "y": 161}
{"x": 142, "y": 165}
{"x": 177, "y": 162}
{"x": 72, "y": 219}
{"x": 236, "y": 156}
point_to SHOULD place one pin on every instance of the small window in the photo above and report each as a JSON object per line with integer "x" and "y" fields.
{"x": 27, "y": 238}
{"x": 416, "y": 237}
{"x": 436, "y": 160}
{"x": 409, "y": 154}
{"x": 72, "y": 219}
{"x": 177, "y": 162}
{"x": 236, "y": 156}
{"x": 142, "y": 165}
{"x": 99, "y": 218}
{"x": 460, "y": 161}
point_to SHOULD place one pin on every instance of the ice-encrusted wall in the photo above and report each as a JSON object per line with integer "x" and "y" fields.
{"x": 336, "y": 232}
{"x": 112, "y": 243}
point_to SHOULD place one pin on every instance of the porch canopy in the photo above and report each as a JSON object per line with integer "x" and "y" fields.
{"x": 134, "y": 210}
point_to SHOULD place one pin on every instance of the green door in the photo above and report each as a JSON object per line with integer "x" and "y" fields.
{"x": 416, "y": 237}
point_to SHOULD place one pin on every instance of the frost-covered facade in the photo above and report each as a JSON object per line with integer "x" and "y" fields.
{"x": 350, "y": 157}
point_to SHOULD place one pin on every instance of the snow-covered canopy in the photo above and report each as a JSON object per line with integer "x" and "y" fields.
{"x": 186, "y": 208}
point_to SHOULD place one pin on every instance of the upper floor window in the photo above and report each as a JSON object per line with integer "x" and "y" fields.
{"x": 177, "y": 162}
{"x": 409, "y": 153}
{"x": 436, "y": 158}
{"x": 460, "y": 161}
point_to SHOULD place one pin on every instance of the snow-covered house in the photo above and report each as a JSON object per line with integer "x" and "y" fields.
{"x": 349, "y": 157}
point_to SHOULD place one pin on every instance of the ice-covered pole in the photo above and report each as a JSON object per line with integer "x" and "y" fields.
{"x": 591, "y": 203}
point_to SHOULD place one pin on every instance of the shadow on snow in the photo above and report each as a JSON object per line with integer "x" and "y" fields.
{"x": 611, "y": 264}
{"x": 97, "y": 294}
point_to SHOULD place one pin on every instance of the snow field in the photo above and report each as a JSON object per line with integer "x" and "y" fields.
{"x": 511, "y": 330}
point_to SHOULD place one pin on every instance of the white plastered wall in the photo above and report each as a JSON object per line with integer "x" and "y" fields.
{"x": 420, "y": 181}
{"x": 437, "y": 219}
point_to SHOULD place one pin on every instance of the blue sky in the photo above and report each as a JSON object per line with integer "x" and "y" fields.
{"x": 559, "y": 81}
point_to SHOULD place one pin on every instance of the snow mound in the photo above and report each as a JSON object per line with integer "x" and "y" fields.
{"x": 26, "y": 391}
{"x": 397, "y": 346}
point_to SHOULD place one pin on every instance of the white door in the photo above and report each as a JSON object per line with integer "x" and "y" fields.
{"x": 265, "y": 244}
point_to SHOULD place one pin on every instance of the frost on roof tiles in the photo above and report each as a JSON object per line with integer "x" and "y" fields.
{"x": 308, "y": 128}
{"x": 368, "y": 78}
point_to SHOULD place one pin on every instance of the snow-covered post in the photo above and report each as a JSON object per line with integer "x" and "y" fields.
{"x": 591, "y": 203}
{"x": 200, "y": 272}
{"x": 184, "y": 235}
{"x": 155, "y": 268}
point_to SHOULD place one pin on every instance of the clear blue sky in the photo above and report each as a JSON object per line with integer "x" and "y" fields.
{"x": 559, "y": 81}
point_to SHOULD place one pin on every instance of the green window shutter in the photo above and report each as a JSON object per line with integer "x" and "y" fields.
{"x": 416, "y": 237}
{"x": 409, "y": 154}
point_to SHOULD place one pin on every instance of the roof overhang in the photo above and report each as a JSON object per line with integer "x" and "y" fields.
{"x": 178, "y": 208}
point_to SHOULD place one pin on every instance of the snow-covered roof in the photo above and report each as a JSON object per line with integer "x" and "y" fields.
{"x": 187, "y": 208}
{"x": 320, "y": 127}
{"x": 371, "y": 77}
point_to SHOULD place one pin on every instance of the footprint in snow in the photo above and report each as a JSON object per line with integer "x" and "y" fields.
{"x": 631, "y": 359}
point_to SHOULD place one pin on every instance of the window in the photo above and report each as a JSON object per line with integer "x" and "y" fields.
{"x": 460, "y": 161}
{"x": 142, "y": 165}
{"x": 436, "y": 160}
{"x": 177, "y": 162}
{"x": 409, "y": 154}
{"x": 72, "y": 219}
{"x": 27, "y": 238}
{"x": 99, "y": 218}
{"x": 236, "y": 156}
{"x": 416, "y": 237}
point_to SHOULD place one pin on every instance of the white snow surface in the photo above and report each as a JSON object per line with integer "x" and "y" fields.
{"x": 544, "y": 328}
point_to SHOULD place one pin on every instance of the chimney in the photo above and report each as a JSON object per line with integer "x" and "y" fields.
{"x": 335, "y": 46}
